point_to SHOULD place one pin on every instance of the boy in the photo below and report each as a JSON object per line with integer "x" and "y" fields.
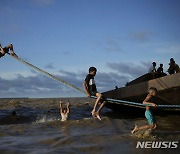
{"x": 90, "y": 88}
{"x": 64, "y": 112}
{"x": 152, "y": 69}
{"x": 148, "y": 114}
{"x": 6, "y": 49}
{"x": 160, "y": 71}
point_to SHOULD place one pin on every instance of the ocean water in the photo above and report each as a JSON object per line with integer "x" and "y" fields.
{"x": 36, "y": 128}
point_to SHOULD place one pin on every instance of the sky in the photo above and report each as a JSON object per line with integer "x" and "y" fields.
{"x": 121, "y": 38}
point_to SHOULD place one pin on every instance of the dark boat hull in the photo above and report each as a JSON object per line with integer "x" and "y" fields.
{"x": 168, "y": 94}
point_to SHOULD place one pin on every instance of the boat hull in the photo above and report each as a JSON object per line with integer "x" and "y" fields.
{"x": 168, "y": 93}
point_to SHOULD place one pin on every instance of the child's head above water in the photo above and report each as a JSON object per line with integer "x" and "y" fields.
{"x": 64, "y": 110}
{"x": 152, "y": 91}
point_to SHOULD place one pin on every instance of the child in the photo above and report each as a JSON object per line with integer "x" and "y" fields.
{"x": 148, "y": 114}
{"x": 90, "y": 88}
{"x": 64, "y": 112}
{"x": 152, "y": 69}
{"x": 160, "y": 72}
{"x": 6, "y": 49}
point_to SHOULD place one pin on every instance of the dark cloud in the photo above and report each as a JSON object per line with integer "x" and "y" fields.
{"x": 130, "y": 69}
{"x": 109, "y": 45}
{"x": 67, "y": 53}
{"x": 33, "y": 86}
{"x": 40, "y": 85}
{"x": 50, "y": 66}
{"x": 107, "y": 81}
{"x": 140, "y": 36}
{"x": 34, "y": 72}
{"x": 112, "y": 45}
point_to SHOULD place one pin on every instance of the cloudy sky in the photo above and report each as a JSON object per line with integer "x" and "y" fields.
{"x": 65, "y": 37}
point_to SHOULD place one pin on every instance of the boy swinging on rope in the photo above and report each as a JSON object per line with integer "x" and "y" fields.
{"x": 90, "y": 88}
{"x": 148, "y": 114}
{"x": 6, "y": 49}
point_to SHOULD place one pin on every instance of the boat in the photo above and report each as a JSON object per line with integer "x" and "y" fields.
{"x": 168, "y": 87}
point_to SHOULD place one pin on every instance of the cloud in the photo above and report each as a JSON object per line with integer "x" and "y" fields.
{"x": 130, "y": 69}
{"x": 142, "y": 36}
{"x": 67, "y": 53}
{"x": 104, "y": 81}
{"x": 40, "y": 85}
{"x": 107, "y": 81}
{"x": 49, "y": 66}
{"x": 110, "y": 45}
{"x": 33, "y": 86}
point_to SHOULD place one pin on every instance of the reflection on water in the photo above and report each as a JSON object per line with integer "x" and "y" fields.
{"x": 35, "y": 127}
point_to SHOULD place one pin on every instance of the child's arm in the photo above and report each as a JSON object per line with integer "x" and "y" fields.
{"x": 146, "y": 101}
{"x": 68, "y": 110}
{"x": 86, "y": 88}
{"x": 60, "y": 106}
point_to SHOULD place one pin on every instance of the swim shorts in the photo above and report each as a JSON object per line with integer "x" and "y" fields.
{"x": 6, "y": 50}
{"x": 150, "y": 117}
{"x": 93, "y": 93}
{"x": 1, "y": 55}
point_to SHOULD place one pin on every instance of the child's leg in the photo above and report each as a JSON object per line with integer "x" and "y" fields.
{"x": 100, "y": 108}
{"x": 10, "y": 46}
{"x": 136, "y": 128}
{"x": 99, "y": 95}
{"x": 2, "y": 52}
{"x": 154, "y": 126}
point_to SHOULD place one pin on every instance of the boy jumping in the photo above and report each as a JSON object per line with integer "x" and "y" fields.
{"x": 148, "y": 114}
{"x": 90, "y": 88}
{"x": 6, "y": 49}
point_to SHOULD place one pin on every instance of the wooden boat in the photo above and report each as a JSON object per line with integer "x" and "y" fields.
{"x": 135, "y": 91}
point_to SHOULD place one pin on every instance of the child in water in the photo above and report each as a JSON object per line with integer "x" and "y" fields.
{"x": 64, "y": 112}
{"x": 148, "y": 114}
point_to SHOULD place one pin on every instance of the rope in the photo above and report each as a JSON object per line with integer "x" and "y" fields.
{"x": 48, "y": 74}
{"x": 116, "y": 101}
{"x": 111, "y": 100}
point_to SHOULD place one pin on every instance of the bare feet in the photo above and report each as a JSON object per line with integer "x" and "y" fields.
{"x": 93, "y": 114}
{"x": 134, "y": 130}
{"x": 97, "y": 115}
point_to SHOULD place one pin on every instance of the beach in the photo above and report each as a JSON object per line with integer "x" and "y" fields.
{"x": 34, "y": 126}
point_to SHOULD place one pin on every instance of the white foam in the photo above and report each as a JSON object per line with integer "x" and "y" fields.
{"x": 46, "y": 119}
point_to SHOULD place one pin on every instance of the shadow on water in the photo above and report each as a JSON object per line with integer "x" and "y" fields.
{"x": 18, "y": 115}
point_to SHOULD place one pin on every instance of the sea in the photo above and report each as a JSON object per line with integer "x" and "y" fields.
{"x": 33, "y": 126}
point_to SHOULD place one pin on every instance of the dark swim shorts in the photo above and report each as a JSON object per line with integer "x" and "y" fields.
{"x": 93, "y": 93}
{"x": 1, "y": 55}
{"x": 6, "y": 50}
